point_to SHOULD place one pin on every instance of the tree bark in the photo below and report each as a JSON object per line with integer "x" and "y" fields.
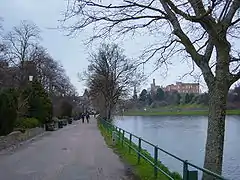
{"x": 215, "y": 132}
{"x": 109, "y": 114}
{"x": 216, "y": 118}
{"x": 108, "y": 110}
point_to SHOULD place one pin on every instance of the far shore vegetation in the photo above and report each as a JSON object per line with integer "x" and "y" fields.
{"x": 176, "y": 113}
{"x": 173, "y": 104}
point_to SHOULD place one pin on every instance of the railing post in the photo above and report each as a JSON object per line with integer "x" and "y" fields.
{"x": 116, "y": 134}
{"x": 155, "y": 161}
{"x": 185, "y": 170}
{"x": 119, "y": 134}
{"x": 139, "y": 149}
{"x": 130, "y": 143}
{"x": 123, "y": 137}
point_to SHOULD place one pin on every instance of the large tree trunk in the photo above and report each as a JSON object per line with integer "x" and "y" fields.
{"x": 215, "y": 132}
{"x": 109, "y": 114}
{"x": 103, "y": 111}
{"x": 216, "y": 118}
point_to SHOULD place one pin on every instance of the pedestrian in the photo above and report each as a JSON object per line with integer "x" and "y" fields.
{"x": 82, "y": 116}
{"x": 87, "y": 117}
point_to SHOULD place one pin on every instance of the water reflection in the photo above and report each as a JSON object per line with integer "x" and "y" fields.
{"x": 185, "y": 136}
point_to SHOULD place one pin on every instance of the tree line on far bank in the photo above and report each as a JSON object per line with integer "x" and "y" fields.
{"x": 26, "y": 103}
{"x": 161, "y": 98}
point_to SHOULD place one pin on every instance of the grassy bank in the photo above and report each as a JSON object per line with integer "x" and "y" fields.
{"x": 143, "y": 170}
{"x": 175, "y": 113}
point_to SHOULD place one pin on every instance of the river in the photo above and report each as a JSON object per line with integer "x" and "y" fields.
{"x": 185, "y": 137}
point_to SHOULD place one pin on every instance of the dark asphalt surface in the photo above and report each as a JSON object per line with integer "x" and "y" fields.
{"x": 76, "y": 152}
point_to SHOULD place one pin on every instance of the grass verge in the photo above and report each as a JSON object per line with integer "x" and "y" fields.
{"x": 143, "y": 170}
{"x": 176, "y": 113}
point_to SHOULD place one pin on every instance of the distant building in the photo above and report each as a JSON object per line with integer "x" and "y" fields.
{"x": 85, "y": 101}
{"x": 183, "y": 88}
{"x": 179, "y": 87}
{"x": 154, "y": 87}
{"x": 135, "y": 92}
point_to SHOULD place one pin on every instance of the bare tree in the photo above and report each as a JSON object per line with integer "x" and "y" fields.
{"x": 53, "y": 78}
{"x": 204, "y": 29}
{"x": 21, "y": 55}
{"x": 2, "y": 46}
{"x": 3, "y": 64}
{"x": 109, "y": 76}
{"x": 20, "y": 43}
{"x": 50, "y": 73}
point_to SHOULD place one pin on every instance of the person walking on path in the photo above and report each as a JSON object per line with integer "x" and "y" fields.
{"x": 82, "y": 117}
{"x": 87, "y": 117}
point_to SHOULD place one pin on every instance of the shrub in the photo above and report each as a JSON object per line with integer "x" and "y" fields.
{"x": 27, "y": 123}
{"x": 39, "y": 103}
{"x": 8, "y": 110}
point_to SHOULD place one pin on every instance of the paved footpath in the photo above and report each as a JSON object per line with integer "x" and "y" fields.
{"x": 76, "y": 152}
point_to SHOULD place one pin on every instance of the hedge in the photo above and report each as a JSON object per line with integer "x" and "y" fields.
{"x": 27, "y": 123}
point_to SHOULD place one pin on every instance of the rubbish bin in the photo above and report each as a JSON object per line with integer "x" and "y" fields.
{"x": 70, "y": 120}
{"x": 114, "y": 137}
{"x": 60, "y": 124}
{"x": 65, "y": 122}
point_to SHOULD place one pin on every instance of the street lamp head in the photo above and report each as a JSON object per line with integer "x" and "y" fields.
{"x": 30, "y": 78}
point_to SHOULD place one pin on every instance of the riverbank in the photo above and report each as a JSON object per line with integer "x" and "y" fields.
{"x": 175, "y": 113}
{"x": 143, "y": 170}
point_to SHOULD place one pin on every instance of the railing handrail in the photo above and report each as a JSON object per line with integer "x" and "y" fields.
{"x": 170, "y": 154}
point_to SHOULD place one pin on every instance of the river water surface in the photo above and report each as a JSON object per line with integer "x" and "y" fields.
{"x": 185, "y": 137}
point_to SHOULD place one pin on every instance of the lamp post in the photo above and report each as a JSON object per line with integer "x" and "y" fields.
{"x": 30, "y": 78}
{"x": 23, "y": 101}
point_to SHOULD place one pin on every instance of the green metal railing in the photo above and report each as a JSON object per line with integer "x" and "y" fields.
{"x": 121, "y": 134}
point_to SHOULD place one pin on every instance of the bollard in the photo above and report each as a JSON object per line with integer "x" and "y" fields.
{"x": 119, "y": 134}
{"x": 139, "y": 149}
{"x": 185, "y": 170}
{"x": 130, "y": 143}
{"x": 123, "y": 137}
{"x": 155, "y": 161}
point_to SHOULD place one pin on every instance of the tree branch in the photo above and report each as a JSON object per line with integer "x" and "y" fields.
{"x": 232, "y": 10}
{"x": 200, "y": 60}
{"x": 197, "y": 18}
{"x": 235, "y": 22}
{"x": 147, "y": 7}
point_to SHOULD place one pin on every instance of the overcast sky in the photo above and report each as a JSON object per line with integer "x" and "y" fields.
{"x": 71, "y": 52}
